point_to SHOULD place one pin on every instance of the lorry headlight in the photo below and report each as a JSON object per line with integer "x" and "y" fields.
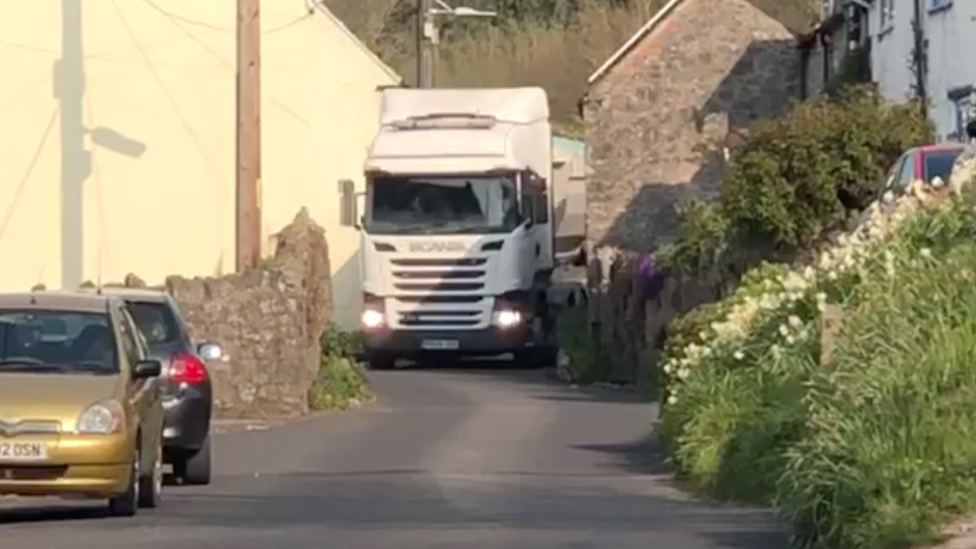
{"x": 507, "y": 318}
{"x": 374, "y": 312}
{"x": 372, "y": 318}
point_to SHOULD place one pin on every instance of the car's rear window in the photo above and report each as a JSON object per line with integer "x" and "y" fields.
{"x": 156, "y": 322}
{"x": 939, "y": 163}
{"x": 53, "y": 341}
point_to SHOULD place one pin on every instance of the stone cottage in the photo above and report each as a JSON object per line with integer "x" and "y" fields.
{"x": 661, "y": 110}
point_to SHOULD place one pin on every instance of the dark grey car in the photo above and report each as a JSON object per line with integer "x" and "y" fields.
{"x": 187, "y": 388}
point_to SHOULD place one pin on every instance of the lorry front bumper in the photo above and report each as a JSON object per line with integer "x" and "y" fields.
{"x": 484, "y": 342}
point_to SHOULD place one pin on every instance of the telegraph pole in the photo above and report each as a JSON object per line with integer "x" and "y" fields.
{"x": 428, "y": 34}
{"x": 425, "y": 45}
{"x": 248, "y": 195}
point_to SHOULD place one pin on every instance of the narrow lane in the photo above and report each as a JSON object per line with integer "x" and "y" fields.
{"x": 485, "y": 459}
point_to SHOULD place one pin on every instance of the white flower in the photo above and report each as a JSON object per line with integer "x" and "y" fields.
{"x": 925, "y": 252}
{"x": 794, "y": 282}
{"x": 832, "y": 275}
{"x": 784, "y": 330}
{"x": 790, "y": 340}
{"x": 739, "y": 355}
{"x": 821, "y": 297}
{"x": 794, "y": 321}
{"x": 683, "y": 373}
{"x": 672, "y": 399}
{"x": 776, "y": 351}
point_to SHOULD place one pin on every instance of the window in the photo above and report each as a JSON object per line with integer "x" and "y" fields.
{"x": 939, "y": 163}
{"x": 542, "y": 211}
{"x": 57, "y": 341}
{"x": 892, "y": 179}
{"x": 939, "y": 5}
{"x": 463, "y": 204}
{"x": 129, "y": 345}
{"x": 534, "y": 198}
{"x": 964, "y": 104}
{"x": 155, "y": 321}
{"x": 142, "y": 345}
{"x": 887, "y": 10}
{"x": 906, "y": 174}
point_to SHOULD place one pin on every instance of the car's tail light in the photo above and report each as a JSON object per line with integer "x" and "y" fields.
{"x": 186, "y": 368}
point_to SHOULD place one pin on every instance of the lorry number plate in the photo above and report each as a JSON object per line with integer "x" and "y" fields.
{"x": 439, "y": 344}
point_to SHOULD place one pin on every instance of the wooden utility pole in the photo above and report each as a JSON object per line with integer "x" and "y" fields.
{"x": 248, "y": 249}
{"x": 426, "y": 37}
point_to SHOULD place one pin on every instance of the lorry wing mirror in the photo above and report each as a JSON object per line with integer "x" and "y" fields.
{"x": 347, "y": 203}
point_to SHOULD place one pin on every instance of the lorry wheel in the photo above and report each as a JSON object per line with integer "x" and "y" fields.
{"x": 380, "y": 361}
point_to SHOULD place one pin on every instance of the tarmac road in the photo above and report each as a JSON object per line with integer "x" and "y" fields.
{"x": 458, "y": 459}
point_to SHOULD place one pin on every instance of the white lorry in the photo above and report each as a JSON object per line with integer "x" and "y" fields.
{"x": 456, "y": 226}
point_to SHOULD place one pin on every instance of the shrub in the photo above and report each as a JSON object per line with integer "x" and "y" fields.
{"x": 341, "y": 383}
{"x": 875, "y": 451}
{"x": 797, "y": 176}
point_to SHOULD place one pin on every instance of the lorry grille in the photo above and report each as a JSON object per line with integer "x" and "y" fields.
{"x": 440, "y": 293}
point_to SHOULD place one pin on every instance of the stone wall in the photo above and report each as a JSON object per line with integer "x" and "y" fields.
{"x": 268, "y": 321}
{"x": 631, "y": 305}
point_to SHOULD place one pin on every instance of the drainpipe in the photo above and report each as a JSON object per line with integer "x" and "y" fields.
{"x": 918, "y": 57}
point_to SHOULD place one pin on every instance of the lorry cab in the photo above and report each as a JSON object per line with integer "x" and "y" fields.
{"x": 457, "y": 246}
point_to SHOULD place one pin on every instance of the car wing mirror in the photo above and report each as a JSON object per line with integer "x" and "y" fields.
{"x": 209, "y": 350}
{"x": 145, "y": 369}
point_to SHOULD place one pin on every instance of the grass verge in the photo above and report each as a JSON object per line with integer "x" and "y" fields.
{"x": 874, "y": 449}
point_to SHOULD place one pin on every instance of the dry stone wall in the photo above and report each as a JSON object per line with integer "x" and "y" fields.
{"x": 269, "y": 322}
{"x": 632, "y": 303}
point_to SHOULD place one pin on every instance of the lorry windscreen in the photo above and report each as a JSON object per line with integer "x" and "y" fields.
{"x": 455, "y": 204}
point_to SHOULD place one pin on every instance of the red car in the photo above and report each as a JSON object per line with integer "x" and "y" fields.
{"x": 923, "y": 163}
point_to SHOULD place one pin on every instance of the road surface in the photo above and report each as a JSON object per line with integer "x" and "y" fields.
{"x": 444, "y": 459}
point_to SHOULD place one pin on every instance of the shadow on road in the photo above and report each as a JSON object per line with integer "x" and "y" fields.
{"x": 52, "y": 513}
{"x": 531, "y": 502}
{"x": 644, "y": 456}
{"x": 553, "y": 389}
{"x": 27, "y": 510}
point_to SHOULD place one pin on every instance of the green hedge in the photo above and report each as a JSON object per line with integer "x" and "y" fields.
{"x": 876, "y": 451}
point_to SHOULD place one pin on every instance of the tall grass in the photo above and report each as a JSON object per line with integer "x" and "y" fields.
{"x": 889, "y": 452}
{"x": 877, "y": 450}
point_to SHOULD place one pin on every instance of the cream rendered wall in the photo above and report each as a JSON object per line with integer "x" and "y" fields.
{"x": 339, "y": 88}
{"x": 155, "y": 111}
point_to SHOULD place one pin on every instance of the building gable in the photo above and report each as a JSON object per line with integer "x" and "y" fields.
{"x": 796, "y": 16}
{"x": 658, "y": 117}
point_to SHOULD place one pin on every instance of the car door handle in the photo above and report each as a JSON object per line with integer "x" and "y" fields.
{"x": 538, "y": 250}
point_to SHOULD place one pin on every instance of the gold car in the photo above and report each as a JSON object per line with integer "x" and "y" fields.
{"x": 80, "y": 405}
